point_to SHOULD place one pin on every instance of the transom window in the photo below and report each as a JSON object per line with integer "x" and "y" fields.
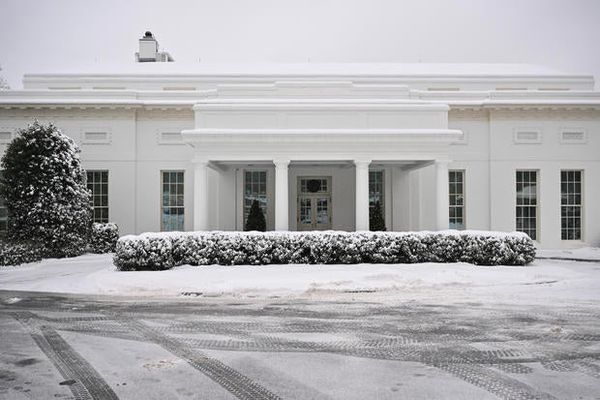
{"x": 314, "y": 185}
{"x": 570, "y": 204}
{"x": 255, "y": 188}
{"x": 376, "y": 190}
{"x": 456, "y": 179}
{"x": 172, "y": 205}
{"x": 527, "y": 202}
{"x": 97, "y": 183}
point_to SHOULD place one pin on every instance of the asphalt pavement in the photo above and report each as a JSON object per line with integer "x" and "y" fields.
{"x": 56, "y": 346}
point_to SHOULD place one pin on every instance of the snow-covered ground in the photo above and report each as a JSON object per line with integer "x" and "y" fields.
{"x": 540, "y": 282}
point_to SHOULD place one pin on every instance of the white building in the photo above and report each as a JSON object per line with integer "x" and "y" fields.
{"x": 168, "y": 147}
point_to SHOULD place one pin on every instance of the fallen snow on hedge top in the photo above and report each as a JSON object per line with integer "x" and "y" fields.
{"x": 157, "y": 251}
{"x": 467, "y": 232}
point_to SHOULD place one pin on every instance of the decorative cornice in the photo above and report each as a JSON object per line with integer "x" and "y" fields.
{"x": 322, "y": 135}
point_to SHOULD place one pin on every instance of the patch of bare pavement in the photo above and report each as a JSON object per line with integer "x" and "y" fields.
{"x": 89, "y": 347}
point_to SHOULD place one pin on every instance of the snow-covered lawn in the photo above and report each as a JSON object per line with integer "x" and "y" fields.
{"x": 542, "y": 281}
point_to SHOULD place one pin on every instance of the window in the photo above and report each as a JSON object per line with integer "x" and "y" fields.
{"x": 97, "y": 183}
{"x": 3, "y": 213}
{"x": 524, "y": 136}
{"x": 96, "y": 137}
{"x": 376, "y": 190}
{"x": 170, "y": 138}
{"x": 255, "y": 188}
{"x": 5, "y": 137}
{"x": 172, "y": 206}
{"x": 570, "y": 204}
{"x": 456, "y": 179}
{"x": 527, "y": 202}
{"x": 573, "y": 136}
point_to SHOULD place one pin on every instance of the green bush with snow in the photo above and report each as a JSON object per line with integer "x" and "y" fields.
{"x": 104, "y": 237}
{"x": 157, "y": 251}
{"x": 43, "y": 184}
{"x": 14, "y": 253}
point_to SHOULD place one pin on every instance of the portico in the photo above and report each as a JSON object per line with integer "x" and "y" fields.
{"x": 344, "y": 198}
{"x": 336, "y": 133}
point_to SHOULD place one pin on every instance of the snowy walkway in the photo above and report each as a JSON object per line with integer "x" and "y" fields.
{"x": 565, "y": 281}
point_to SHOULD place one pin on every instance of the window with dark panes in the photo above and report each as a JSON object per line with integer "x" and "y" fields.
{"x": 172, "y": 201}
{"x": 527, "y": 202}
{"x": 570, "y": 204}
{"x": 97, "y": 183}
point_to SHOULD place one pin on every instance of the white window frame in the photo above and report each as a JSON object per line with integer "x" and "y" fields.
{"x": 463, "y": 193}
{"x": 564, "y": 130}
{"x": 245, "y": 210}
{"x": 93, "y": 129}
{"x": 537, "y": 131}
{"x": 536, "y": 206}
{"x": 88, "y": 183}
{"x": 163, "y": 140}
{"x": 162, "y": 193}
{"x": 580, "y": 205}
{"x": 11, "y": 135}
{"x": 382, "y": 195}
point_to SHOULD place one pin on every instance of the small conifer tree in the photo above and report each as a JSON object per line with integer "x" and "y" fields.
{"x": 45, "y": 191}
{"x": 376, "y": 221}
{"x": 256, "y": 218}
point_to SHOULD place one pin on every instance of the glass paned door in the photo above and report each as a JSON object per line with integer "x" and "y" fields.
{"x": 323, "y": 218}
{"x": 314, "y": 203}
{"x": 305, "y": 217}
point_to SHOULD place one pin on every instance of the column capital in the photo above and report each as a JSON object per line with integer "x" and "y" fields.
{"x": 281, "y": 162}
{"x": 362, "y": 163}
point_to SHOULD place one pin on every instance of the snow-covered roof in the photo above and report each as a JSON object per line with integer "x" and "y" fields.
{"x": 199, "y": 76}
{"x": 307, "y": 69}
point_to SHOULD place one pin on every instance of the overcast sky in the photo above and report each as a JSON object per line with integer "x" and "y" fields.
{"x": 42, "y": 36}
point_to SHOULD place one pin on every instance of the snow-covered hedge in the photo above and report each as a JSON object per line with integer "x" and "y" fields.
{"x": 145, "y": 253}
{"x": 104, "y": 237}
{"x": 19, "y": 253}
{"x": 158, "y": 251}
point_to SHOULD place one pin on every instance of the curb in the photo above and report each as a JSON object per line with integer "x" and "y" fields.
{"x": 568, "y": 259}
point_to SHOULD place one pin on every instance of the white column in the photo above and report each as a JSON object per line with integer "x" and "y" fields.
{"x": 281, "y": 195}
{"x": 362, "y": 195}
{"x": 201, "y": 195}
{"x": 442, "y": 200}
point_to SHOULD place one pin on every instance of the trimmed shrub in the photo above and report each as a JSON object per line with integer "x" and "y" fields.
{"x": 256, "y": 218}
{"x": 163, "y": 251}
{"x": 376, "y": 221}
{"x": 146, "y": 253}
{"x": 104, "y": 237}
{"x": 19, "y": 253}
{"x": 43, "y": 184}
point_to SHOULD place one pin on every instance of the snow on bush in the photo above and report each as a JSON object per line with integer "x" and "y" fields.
{"x": 43, "y": 184}
{"x": 147, "y": 253}
{"x": 104, "y": 238}
{"x": 19, "y": 253}
{"x": 163, "y": 251}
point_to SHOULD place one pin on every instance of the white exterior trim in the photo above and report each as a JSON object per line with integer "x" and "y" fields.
{"x": 413, "y": 121}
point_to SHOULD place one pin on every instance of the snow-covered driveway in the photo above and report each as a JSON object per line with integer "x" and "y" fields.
{"x": 424, "y": 331}
{"x": 90, "y": 347}
{"x": 543, "y": 280}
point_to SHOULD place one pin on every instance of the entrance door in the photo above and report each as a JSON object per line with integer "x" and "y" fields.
{"x": 314, "y": 203}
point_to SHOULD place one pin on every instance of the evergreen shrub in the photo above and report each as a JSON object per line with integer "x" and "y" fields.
{"x": 163, "y": 251}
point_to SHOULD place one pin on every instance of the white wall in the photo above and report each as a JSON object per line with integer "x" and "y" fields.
{"x": 135, "y": 153}
{"x": 548, "y": 156}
